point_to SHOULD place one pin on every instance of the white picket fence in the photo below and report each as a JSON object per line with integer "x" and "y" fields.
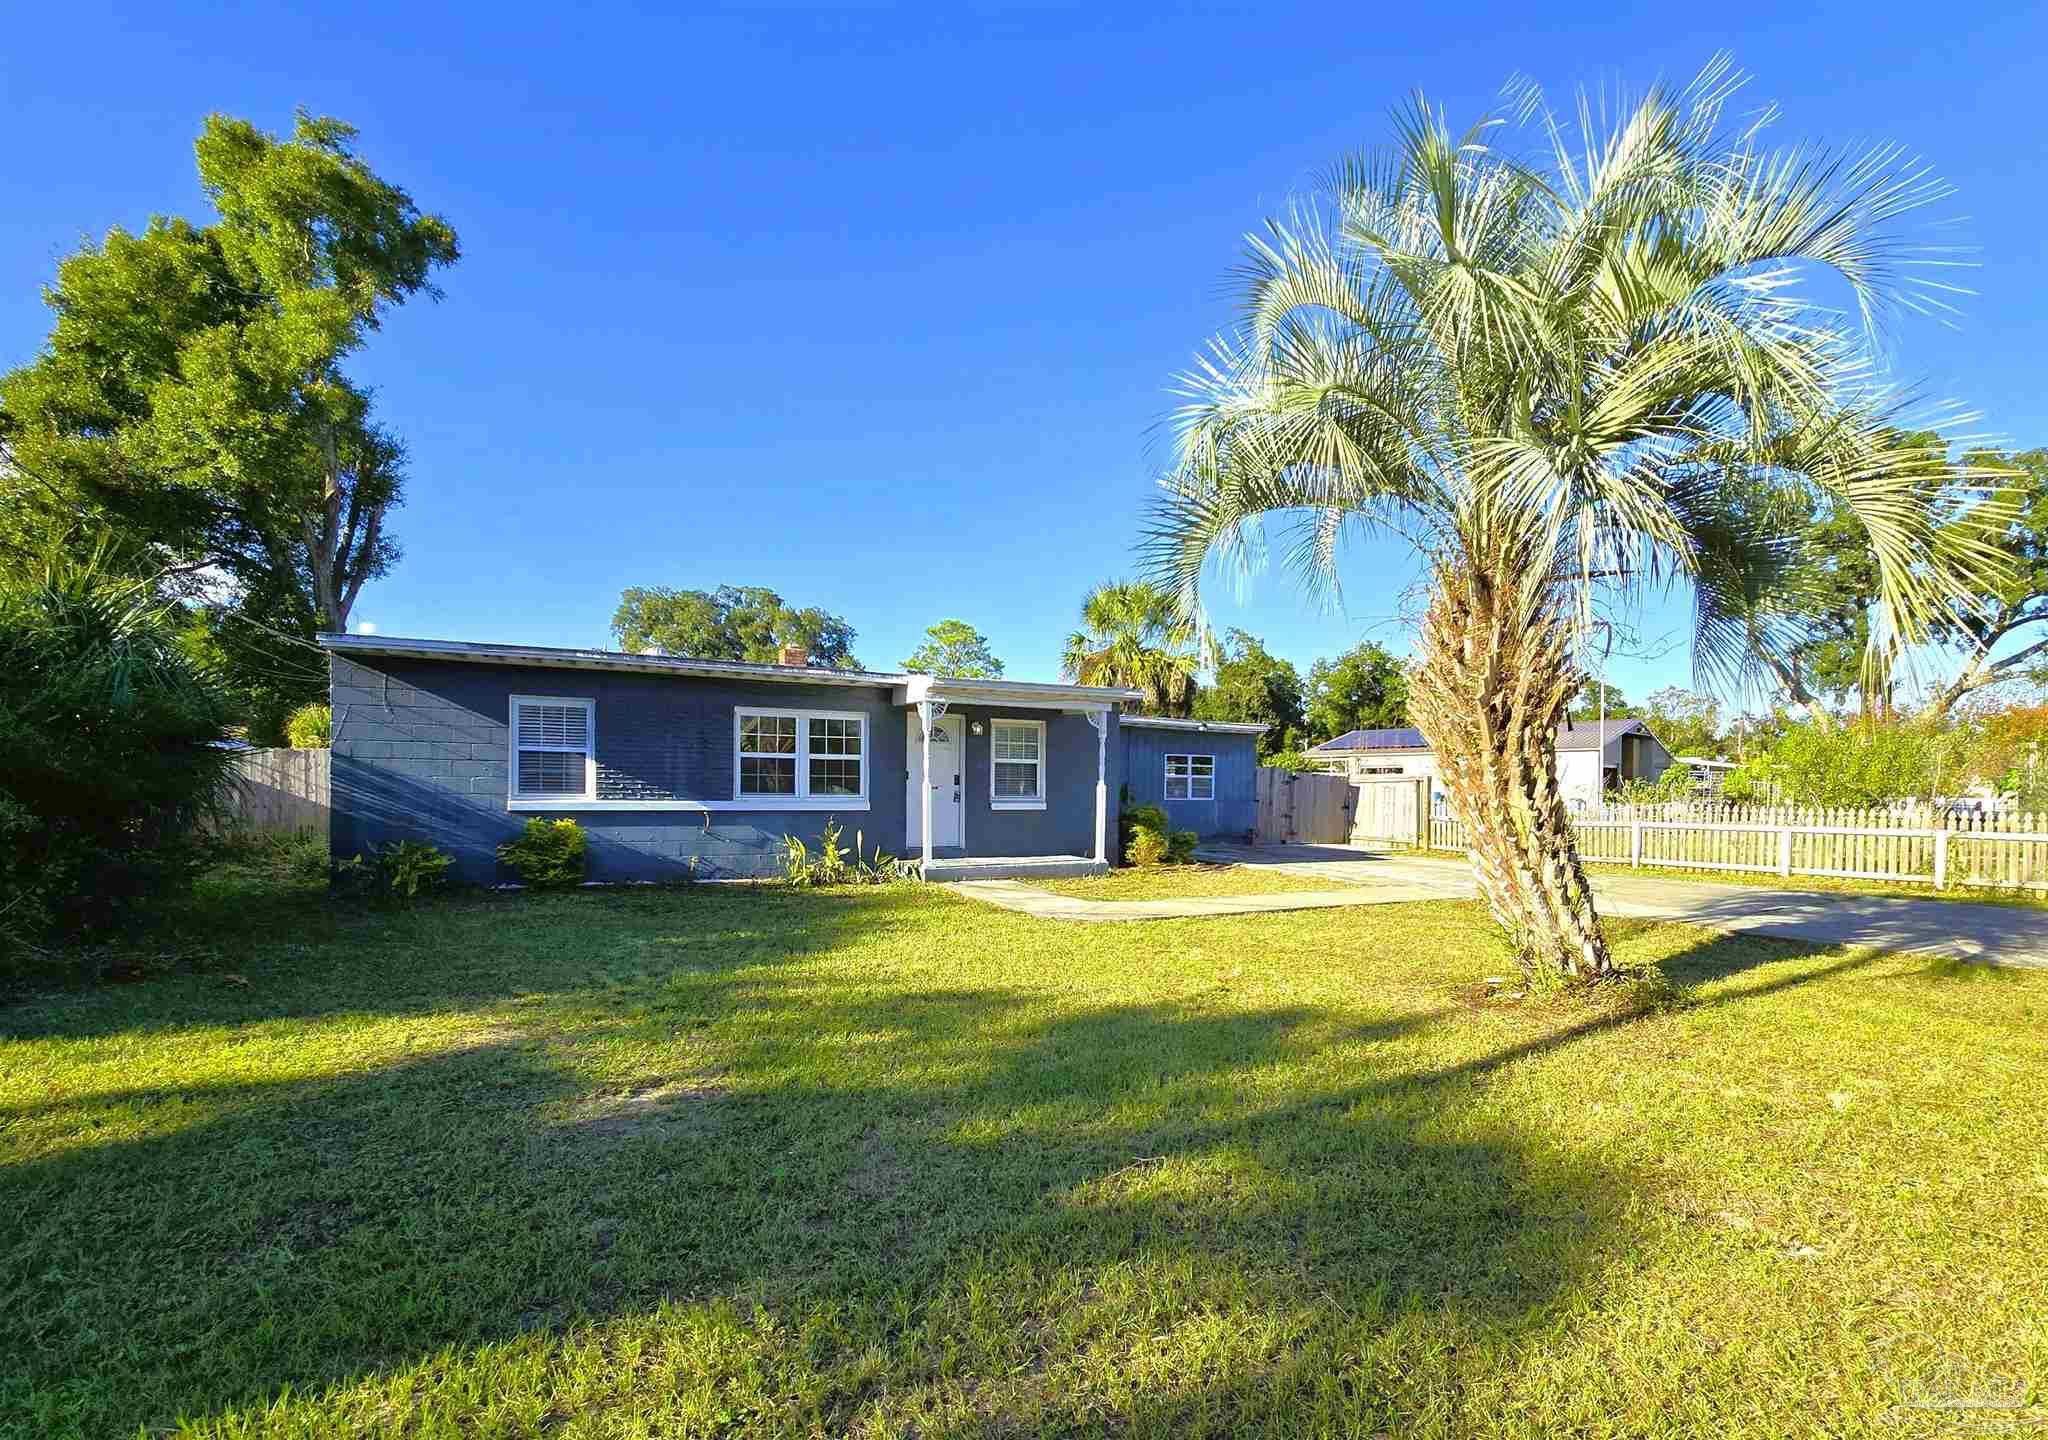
{"x": 1929, "y": 848}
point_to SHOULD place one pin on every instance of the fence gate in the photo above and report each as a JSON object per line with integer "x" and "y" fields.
{"x": 1391, "y": 810}
{"x": 1299, "y": 807}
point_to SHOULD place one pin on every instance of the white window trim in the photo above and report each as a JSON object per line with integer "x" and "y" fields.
{"x": 1014, "y": 802}
{"x": 516, "y": 801}
{"x": 1190, "y": 777}
{"x": 803, "y": 799}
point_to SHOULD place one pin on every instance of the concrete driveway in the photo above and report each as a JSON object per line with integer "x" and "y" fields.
{"x": 1990, "y": 934}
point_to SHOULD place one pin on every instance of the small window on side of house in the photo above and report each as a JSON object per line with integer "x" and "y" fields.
{"x": 554, "y": 748}
{"x": 1191, "y": 777}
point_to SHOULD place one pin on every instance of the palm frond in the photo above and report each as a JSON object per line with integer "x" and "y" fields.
{"x": 1602, "y": 367}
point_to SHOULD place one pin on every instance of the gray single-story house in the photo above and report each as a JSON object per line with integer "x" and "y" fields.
{"x": 1592, "y": 758}
{"x": 1202, "y": 773}
{"x": 680, "y": 768}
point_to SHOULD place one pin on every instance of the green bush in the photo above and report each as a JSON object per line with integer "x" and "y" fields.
{"x": 1133, "y": 818}
{"x": 403, "y": 868}
{"x": 832, "y": 864}
{"x": 1146, "y": 847}
{"x": 411, "y": 866}
{"x": 551, "y": 855}
{"x": 285, "y": 858}
{"x": 109, "y": 754}
{"x": 1150, "y": 839}
{"x": 311, "y": 727}
{"x": 1293, "y": 760}
{"x": 1857, "y": 763}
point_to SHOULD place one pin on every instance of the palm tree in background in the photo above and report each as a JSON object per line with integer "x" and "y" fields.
{"x": 1133, "y": 634}
{"x": 1570, "y": 382}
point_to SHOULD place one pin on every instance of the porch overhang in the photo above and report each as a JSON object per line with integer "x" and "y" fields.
{"x": 948, "y": 690}
{"x": 933, "y": 695}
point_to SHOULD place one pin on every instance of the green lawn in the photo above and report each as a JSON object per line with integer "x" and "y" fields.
{"x": 889, "y": 1162}
{"x": 1174, "y": 882}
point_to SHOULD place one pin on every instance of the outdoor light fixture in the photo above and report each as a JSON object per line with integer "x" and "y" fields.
{"x": 974, "y": 726}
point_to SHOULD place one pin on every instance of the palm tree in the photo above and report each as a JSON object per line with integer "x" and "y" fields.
{"x": 1569, "y": 381}
{"x": 1133, "y": 634}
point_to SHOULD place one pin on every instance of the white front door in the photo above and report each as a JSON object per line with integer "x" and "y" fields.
{"x": 948, "y": 765}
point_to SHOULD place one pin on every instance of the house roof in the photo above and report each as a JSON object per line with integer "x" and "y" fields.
{"x": 1212, "y": 727}
{"x": 1401, "y": 739}
{"x": 480, "y": 653}
{"x": 1582, "y": 735}
{"x": 1592, "y": 735}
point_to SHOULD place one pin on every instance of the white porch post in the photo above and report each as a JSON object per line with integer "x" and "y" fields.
{"x": 1100, "y": 720}
{"x": 924, "y": 724}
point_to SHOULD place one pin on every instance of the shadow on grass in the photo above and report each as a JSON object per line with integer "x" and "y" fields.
{"x": 306, "y": 955}
{"x": 859, "y": 1153}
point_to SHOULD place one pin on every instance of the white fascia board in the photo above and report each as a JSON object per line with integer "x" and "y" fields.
{"x": 1209, "y": 727}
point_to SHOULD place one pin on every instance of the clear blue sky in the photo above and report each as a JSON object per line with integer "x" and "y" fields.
{"x": 880, "y": 307}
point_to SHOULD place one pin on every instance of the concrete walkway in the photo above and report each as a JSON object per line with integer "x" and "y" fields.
{"x": 1029, "y": 900}
{"x": 1958, "y": 929}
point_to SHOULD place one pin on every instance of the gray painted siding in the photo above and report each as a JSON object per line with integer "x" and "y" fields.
{"x": 1234, "y": 810}
{"x": 419, "y": 752}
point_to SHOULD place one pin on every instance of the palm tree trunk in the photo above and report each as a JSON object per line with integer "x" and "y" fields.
{"x": 1490, "y": 689}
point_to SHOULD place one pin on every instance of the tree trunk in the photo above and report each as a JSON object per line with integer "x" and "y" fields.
{"x": 1490, "y": 689}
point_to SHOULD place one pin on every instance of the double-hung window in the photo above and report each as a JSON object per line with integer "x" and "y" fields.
{"x": 1016, "y": 764}
{"x": 1191, "y": 777}
{"x": 807, "y": 757}
{"x": 554, "y": 748}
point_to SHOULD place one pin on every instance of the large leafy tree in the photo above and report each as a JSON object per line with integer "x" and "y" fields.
{"x": 2000, "y": 635}
{"x": 1365, "y": 688}
{"x": 733, "y": 622}
{"x": 1688, "y": 722}
{"x": 953, "y": 647}
{"x": 1568, "y": 378}
{"x": 1133, "y": 634}
{"x": 191, "y": 402}
{"x": 1252, "y": 686}
{"x": 1596, "y": 698}
{"x": 2012, "y": 605}
{"x": 2011, "y": 752}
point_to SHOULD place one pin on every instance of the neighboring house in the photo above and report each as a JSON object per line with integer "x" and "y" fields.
{"x": 678, "y": 767}
{"x": 1709, "y": 777}
{"x": 1591, "y": 759}
{"x": 1203, "y": 773}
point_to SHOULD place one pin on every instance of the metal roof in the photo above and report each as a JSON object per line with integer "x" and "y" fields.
{"x": 480, "y": 653}
{"x": 1399, "y": 739}
{"x": 1589, "y": 734}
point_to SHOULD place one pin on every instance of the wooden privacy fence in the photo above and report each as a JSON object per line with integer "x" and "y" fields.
{"x": 282, "y": 790}
{"x": 1994, "y": 852}
{"x": 1390, "y": 810}
{"x": 1301, "y": 807}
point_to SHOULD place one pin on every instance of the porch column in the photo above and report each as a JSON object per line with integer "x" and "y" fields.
{"x": 1100, "y": 720}
{"x": 924, "y": 725}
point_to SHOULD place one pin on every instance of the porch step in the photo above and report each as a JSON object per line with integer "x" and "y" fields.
{"x": 1012, "y": 867}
